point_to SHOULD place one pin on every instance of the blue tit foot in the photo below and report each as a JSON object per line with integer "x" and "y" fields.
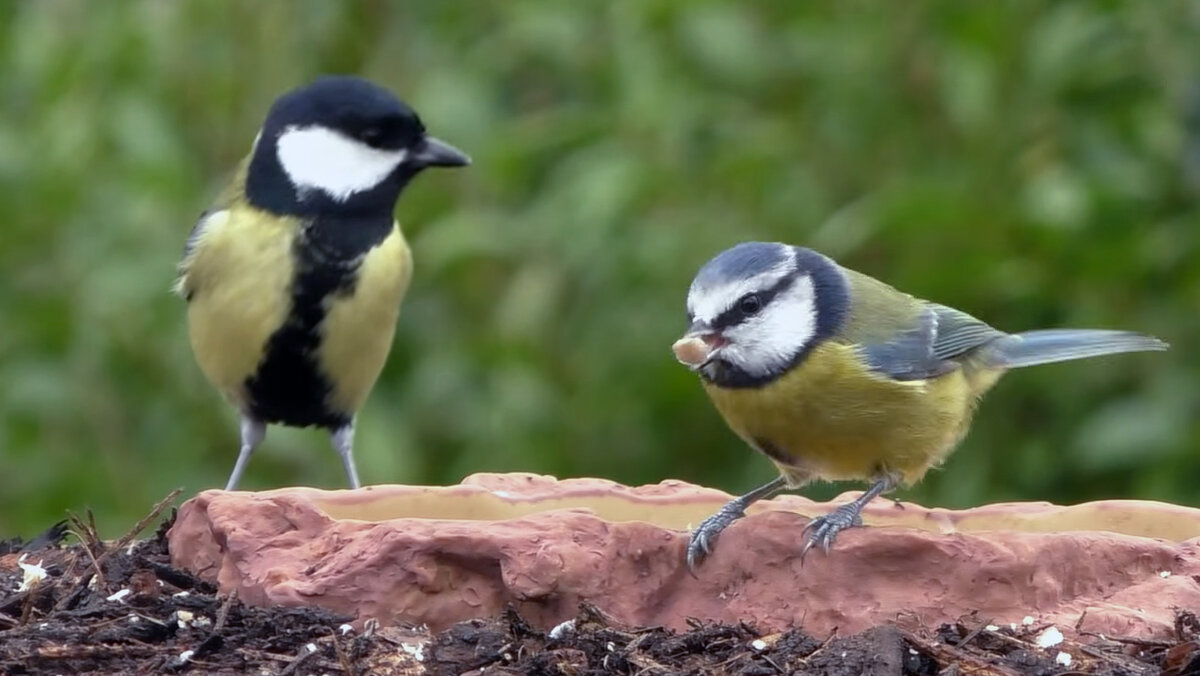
{"x": 705, "y": 535}
{"x": 824, "y": 529}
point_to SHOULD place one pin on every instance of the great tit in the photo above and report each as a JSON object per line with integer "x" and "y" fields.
{"x": 293, "y": 278}
{"x": 835, "y": 375}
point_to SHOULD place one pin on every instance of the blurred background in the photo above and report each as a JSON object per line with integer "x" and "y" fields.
{"x": 1036, "y": 164}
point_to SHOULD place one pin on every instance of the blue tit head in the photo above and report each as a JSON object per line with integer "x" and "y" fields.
{"x": 756, "y": 309}
{"x": 342, "y": 144}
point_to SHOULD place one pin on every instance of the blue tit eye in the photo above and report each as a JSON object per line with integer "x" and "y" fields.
{"x": 749, "y": 304}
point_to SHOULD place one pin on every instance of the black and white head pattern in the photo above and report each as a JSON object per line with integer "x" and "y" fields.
{"x": 768, "y": 304}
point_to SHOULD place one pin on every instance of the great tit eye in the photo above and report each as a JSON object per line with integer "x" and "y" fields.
{"x": 371, "y": 136}
{"x": 750, "y": 304}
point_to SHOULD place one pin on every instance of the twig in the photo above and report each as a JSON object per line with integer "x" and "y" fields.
{"x": 86, "y": 534}
{"x": 341, "y": 654}
{"x": 292, "y": 666}
{"x": 949, "y": 655}
{"x": 1131, "y": 640}
{"x": 223, "y": 612}
{"x": 973, "y": 633}
{"x": 138, "y": 527}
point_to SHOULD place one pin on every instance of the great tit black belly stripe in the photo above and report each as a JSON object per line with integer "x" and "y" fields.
{"x": 289, "y": 387}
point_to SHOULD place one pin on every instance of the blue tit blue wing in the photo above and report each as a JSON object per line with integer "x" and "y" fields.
{"x": 908, "y": 353}
{"x": 958, "y": 333}
{"x": 930, "y": 346}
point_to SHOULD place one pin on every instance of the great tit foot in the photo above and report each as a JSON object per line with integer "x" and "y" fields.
{"x": 823, "y": 529}
{"x": 705, "y": 535}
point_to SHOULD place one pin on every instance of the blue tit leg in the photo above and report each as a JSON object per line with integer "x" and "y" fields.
{"x": 253, "y": 432}
{"x": 706, "y": 533}
{"x": 823, "y": 529}
{"x": 343, "y": 443}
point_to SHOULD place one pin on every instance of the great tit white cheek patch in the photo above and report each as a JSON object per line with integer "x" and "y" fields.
{"x": 690, "y": 351}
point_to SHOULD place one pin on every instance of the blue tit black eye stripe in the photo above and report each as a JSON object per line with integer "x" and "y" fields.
{"x": 735, "y": 315}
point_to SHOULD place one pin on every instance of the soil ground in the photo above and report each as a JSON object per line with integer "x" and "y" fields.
{"x": 120, "y": 608}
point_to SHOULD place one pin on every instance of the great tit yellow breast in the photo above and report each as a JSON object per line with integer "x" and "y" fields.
{"x": 831, "y": 417}
{"x": 237, "y": 277}
{"x": 359, "y": 326}
{"x": 292, "y": 319}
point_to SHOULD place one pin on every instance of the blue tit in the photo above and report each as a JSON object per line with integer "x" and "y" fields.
{"x": 293, "y": 278}
{"x": 835, "y": 375}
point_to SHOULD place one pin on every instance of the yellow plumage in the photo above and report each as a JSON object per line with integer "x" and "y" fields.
{"x": 359, "y": 327}
{"x": 832, "y": 418}
{"x": 238, "y": 277}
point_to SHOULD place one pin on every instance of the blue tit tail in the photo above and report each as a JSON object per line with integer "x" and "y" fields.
{"x": 1045, "y": 347}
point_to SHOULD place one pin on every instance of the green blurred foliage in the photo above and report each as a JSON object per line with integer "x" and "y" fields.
{"x": 1026, "y": 161}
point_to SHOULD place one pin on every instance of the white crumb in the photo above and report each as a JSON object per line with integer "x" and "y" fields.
{"x": 32, "y": 574}
{"x": 1165, "y": 574}
{"x": 992, "y": 627}
{"x": 417, "y": 650}
{"x": 758, "y": 644}
{"x": 1063, "y": 658}
{"x": 119, "y": 595}
{"x": 184, "y": 617}
{"x": 1027, "y": 620}
{"x": 345, "y": 629}
{"x": 1049, "y": 638}
{"x": 186, "y": 655}
{"x": 562, "y": 629}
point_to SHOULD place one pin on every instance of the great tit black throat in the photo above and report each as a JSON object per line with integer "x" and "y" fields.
{"x": 294, "y": 277}
{"x": 835, "y": 375}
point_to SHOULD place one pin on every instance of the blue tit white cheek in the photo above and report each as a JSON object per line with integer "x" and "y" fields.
{"x": 765, "y": 344}
{"x": 319, "y": 158}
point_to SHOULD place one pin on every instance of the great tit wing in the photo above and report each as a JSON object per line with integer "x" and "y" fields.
{"x": 182, "y": 286}
{"x": 194, "y": 235}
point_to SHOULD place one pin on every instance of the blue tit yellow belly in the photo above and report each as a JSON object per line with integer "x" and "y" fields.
{"x": 293, "y": 320}
{"x": 831, "y": 417}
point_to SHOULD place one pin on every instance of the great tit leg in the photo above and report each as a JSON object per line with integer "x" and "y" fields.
{"x": 823, "y": 529}
{"x": 253, "y": 432}
{"x": 706, "y": 533}
{"x": 343, "y": 442}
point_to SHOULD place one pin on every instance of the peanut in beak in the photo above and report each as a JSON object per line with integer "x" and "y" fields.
{"x": 692, "y": 350}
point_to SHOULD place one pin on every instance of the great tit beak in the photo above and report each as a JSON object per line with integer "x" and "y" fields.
{"x": 698, "y": 346}
{"x": 434, "y": 152}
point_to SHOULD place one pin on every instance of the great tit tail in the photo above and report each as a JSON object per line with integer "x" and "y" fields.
{"x": 1048, "y": 346}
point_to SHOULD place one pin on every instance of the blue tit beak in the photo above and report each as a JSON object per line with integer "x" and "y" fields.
{"x": 434, "y": 152}
{"x": 699, "y": 346}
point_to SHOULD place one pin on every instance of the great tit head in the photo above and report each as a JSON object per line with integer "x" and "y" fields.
{"x": 755, "y": 310}
{"x": 341, "y": 143}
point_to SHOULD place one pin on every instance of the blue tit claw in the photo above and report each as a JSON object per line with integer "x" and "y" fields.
{"x": 823, "y": 530}
{"x": 705, "y": 535}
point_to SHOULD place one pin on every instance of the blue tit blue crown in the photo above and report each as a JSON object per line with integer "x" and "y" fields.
{"x": 743, "y": 261}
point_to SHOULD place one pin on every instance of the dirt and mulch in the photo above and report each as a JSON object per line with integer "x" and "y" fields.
{"x": 119, "y": 607}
